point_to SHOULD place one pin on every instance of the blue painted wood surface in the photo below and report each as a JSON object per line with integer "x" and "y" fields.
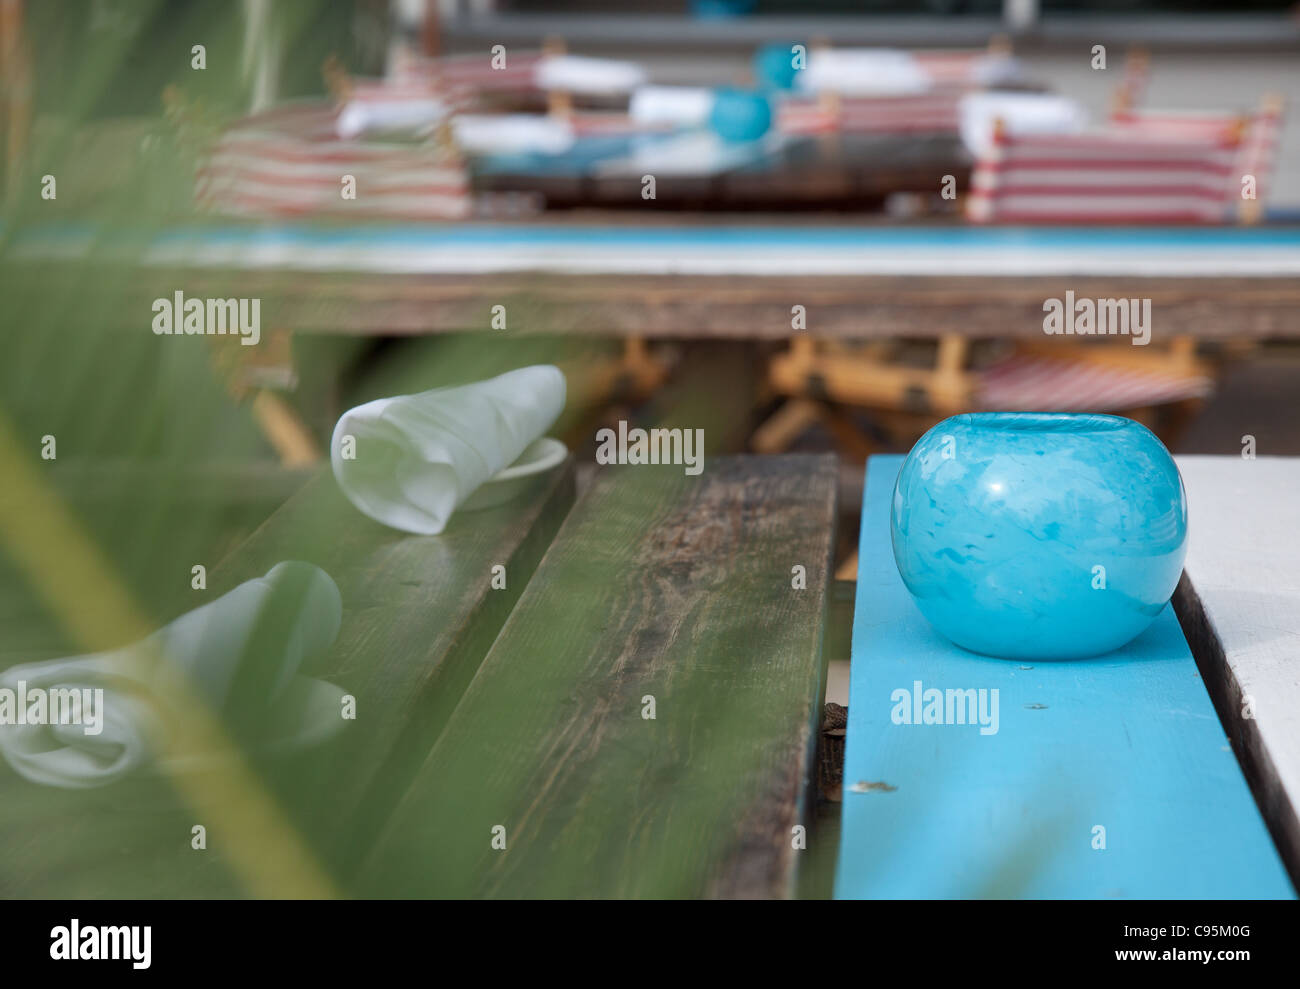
{"x": 1128, "y": 742}
{"x": 738, "y": 248}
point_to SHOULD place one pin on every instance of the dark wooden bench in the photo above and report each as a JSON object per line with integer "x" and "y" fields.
{"x": 662, "y": 594}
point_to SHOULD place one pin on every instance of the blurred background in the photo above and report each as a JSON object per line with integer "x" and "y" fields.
{"x": 797, "y": 226}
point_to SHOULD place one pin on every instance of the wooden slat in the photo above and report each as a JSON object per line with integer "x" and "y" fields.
{"x": 697, "y": 306}
{"x": 661, "y": 585}
{"x": 418, "y": 616}
{"x": 1128, "y": 742}
{"x": 1239, "y": 602}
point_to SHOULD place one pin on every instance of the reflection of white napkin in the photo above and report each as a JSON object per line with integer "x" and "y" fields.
{"x": 202, "y": 652}
{"x": 863, "y": 72}
{"x": 417, "y": 457}
{"x": 1022, "y": 114}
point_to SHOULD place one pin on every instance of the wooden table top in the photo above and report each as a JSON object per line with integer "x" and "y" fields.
{"x": 691, "y": 277}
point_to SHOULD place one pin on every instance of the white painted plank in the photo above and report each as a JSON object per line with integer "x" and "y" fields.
{"x": 1240, "y": 607}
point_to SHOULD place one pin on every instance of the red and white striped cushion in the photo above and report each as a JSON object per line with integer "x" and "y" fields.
{"x": 1049, "y": 384}
{"x": 1259, "y": 135}
{"x": 924, "y": 113}
{"x": 1108, "y": 176}
{"x": 289, "y": 162}
{"x": 467, "y": 74}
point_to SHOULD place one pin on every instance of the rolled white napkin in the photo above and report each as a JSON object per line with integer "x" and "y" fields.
{"x": 417, "y": 457}
{"x": 1021, "y": 113}
{"x": 863, "y": 72}
{"x": 203, "y": 656}
{"x": 581, "y": 74}
{"x": 363, "y": 116}
{"x": 511, "y": 133}
{"x": 681, "y": 106}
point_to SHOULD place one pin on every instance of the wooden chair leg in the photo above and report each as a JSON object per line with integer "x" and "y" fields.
{"x": 848, "y": 570}
{"x": 286, "y": 432}
{"x": 848, "y": 437}
{"x": 785, "y": 426}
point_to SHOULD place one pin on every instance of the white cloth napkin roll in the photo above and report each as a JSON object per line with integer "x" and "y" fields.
{"x": 511, "y": 133}
{"x": 863, "y": 72}
{"x": 203, "y": 651}
{"x": 417, "y": 457}
{"x": 680, "y": 106}
{"x": 582, "y": 74}
{"x": 1020, "y": 113}
{"x": 362, "y": 116}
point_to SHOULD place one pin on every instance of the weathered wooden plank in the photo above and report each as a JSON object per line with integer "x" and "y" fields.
{"x": 659, "y": 586}
{"x": 697, "y": 306}
{"x": 1239, "y": 602}
{"x": 419, "y": 614}
{"x": 1127, "y": 742}
{"x": 674, "y": 276}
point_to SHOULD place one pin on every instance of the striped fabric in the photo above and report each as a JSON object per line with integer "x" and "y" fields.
{"x": 1048, "y": 384}
{"x": 933, "y": 112}
{"x": 951, "y": 75}
{"x": 1260, "y": 133}
{"x": 462, "y": 78}
{"x": 1117, "y": 175}
{"x": 289, "y": 162}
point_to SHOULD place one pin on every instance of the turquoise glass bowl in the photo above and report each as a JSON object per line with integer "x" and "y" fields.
{"x": 1039, "y": 535}
{"x": 740, "y": 114}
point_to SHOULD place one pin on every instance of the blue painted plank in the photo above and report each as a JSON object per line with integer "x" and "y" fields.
{"x": 1128, "y": 742}
{"x": 628, "y": 249}
{"x": 791, "y": 237}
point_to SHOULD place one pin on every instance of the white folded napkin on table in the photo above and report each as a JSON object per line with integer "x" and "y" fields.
{"x": 243, "y": 648}
{"x": 1020, "y": 113}
{"x": 415, "y": 458}
{"x": 364, "y": 116}
{"x": 863, "y": 72}
{"x": 680, "y": 106}
{"x": 511, "y": 133}
{"x": 582, "y": 74}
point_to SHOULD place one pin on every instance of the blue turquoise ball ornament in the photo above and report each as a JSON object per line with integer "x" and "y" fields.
{"x": 740, "y": 114}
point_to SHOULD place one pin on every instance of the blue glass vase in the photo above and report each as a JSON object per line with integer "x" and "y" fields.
{"x": 740, "y": 114}
{"x": 1039, "y": 535}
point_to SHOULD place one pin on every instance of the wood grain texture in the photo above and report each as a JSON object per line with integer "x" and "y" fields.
{"x": 1239, "y": 603}
{"x": 1128, "y": 742}
{"x": 418, "y": 616}
{"x": 728, "y": 306}
{"x": 670, "y": 274}
{"x": 660, "y": 585}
